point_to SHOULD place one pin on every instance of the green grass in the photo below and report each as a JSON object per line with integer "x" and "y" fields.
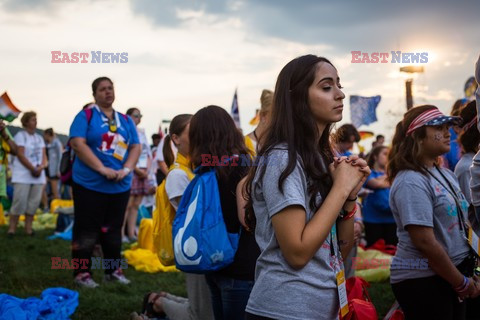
{"x": 382, "y": 297}
{"x": 25, "y": 271}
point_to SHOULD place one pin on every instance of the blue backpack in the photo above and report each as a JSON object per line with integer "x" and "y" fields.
{"x": 201, "y": 241}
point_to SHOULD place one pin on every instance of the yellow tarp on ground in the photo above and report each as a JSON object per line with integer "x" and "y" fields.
{"x": 59, "y": 203}
{"x": 145, "y": 234}
{"x": 146, "y": 261}
{"x": 372, "y": 265}
{"x": 3, "y": 221}
{"x": 40, "y": 220}
{"x": 45, "y": 221}
{"x": 142, "y": 257}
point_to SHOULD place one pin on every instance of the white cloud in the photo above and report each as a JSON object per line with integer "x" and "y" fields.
{"x": 204, "y": 52}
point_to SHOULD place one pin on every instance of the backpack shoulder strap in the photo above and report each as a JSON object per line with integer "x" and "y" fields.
{"x": 88, "y": 114}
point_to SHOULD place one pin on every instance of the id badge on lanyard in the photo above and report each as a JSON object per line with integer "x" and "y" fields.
{"x": 473, "y": 240}
{"x": 339, "y": 275}
{"x": 120, "y": 149}
{"x": 119, "y": 144}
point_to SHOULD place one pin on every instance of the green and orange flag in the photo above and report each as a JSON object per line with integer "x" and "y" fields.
{"x": 8, "y": 111}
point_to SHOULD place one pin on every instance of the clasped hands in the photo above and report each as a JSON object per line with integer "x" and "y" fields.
{"x": 111, "y": 174}
{"x": 472, "y": 290}
{"x": 350, "y": 172}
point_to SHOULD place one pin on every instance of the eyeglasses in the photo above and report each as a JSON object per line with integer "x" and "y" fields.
{"x": 138, "y": 116}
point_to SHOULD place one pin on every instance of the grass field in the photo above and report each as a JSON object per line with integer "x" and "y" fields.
{"x": 25, "y": 271}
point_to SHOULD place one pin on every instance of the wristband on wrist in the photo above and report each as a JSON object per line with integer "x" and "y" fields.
{"x": 127, "y": 170}
{"x": 463, "y": 287}
{"x": 350, "y": 214}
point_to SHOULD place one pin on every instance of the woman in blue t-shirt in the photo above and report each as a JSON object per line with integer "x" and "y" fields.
{"x": 431, "y": 272}
{"x": 377, "y": 216}
{"x": 107, "y": 148}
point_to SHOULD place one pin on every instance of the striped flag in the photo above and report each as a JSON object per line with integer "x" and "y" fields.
{"x": 234, "y": 112}
{"x": 363, "y": 109}
{"x": 8, "y": 111}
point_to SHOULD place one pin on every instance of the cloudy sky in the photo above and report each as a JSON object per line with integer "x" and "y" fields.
{"x": 186, "y": 54}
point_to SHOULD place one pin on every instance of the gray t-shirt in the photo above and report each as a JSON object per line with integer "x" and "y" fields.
{"x": 418, "y": 199}
{"x": 462, "y": 171}
{"x": 281, "y": 292}
{"x": 54, "y": 153}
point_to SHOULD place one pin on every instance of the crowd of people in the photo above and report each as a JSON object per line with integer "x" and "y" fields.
{"x": 300, "y": 211}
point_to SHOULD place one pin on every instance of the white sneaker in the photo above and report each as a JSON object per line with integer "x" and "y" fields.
{"x": 84, "y": 279}
{"x": 118, "y": 276}
{"x": 125, "y": 239}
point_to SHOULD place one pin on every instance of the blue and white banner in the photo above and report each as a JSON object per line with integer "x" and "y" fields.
{"x": 363, "y": 109}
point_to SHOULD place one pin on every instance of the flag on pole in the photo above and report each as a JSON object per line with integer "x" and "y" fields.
{"x": 365, "y": 134}
{"x": 8, "y": 111}
{"x": 363, "y": 109}
{"x": 234, "y": 112}
{"x": 255, "y": 120}
{"x": 469, "y": 88}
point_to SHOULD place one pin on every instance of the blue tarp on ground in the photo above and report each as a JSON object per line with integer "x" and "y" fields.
{"x": 65, "y": 235}
{"x": 55, "y": 303}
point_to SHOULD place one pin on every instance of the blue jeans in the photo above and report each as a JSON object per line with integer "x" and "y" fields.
{"x": 229, "y": 296}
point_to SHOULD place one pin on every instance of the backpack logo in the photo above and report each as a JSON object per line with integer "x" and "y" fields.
{"x": 201, "y": 241}
{"x": 190, "y": 246}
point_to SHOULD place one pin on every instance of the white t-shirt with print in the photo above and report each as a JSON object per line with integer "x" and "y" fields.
{"x": 34, "y": 145}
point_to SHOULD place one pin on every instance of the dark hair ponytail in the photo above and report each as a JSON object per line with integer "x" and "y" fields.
{"x": 167, "y": 151}
{"x": 178, "y": 124}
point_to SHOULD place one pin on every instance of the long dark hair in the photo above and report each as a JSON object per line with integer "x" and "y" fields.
{"x": 213, "y": 132}
{"x": 293, "y": 123}
{"x": 469, "y": 138}
{"x": 406, "y": 150}
{"x": 178, "y": 124}
{"x": 373, "y": 156}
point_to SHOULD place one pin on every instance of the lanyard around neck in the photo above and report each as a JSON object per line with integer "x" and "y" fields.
{"x": 112, "y": 123}
{"x": 454, "y": 194}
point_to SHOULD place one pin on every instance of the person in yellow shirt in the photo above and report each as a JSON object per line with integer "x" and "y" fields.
{"x": 7, "y": 145}
{"x": 266, "y": 104}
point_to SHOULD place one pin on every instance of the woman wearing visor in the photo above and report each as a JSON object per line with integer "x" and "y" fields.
{"x": 432, "y": 270}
